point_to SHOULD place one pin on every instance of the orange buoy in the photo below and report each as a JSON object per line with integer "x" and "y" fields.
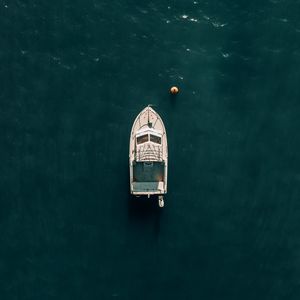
{"x": 174, "y": 90}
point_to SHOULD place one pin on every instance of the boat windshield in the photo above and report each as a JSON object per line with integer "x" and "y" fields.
{"x": 155, "y": 139}
{"x": 142, "y": 139}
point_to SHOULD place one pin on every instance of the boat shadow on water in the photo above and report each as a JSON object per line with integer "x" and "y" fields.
{"x": 144, "y": 212}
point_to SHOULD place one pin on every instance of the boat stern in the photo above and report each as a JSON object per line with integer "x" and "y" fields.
{"x": 148, "y": 188}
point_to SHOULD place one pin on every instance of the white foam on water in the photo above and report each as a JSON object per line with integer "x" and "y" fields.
{"x": 217, "y": 24}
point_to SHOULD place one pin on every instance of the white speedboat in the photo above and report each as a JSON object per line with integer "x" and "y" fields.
{"x": 148, "y": 155}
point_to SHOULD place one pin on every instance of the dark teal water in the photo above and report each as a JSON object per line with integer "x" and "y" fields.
{"x": 74, "y": 75}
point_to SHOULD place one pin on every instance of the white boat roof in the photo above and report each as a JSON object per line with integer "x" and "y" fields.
{"x": 147, "y": 129}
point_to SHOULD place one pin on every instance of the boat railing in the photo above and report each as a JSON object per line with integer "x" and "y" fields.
{"x": 149, "y": 153}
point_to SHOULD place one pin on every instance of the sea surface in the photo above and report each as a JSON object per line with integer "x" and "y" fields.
{"x": 75, "y": 74}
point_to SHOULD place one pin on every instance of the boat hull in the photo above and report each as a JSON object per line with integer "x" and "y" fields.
{"x": 148, "y": 154}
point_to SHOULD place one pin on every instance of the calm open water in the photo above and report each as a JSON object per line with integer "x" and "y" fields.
{"x": 74, "y": 75}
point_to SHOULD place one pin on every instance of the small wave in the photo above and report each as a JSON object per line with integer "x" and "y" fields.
{"x": 186, "y": 17}
{"x": 296, "y": 53}
{"x": 272, "y": 51}
{"x": 283, "y": 20}
{"x": 144, "y": 11}
{"x": 225, "y": 55}
{"x": 218, "y": 25}
{"x": 55, "y": 58}
{"x": 215, "y": 22}
{"x": 67, "y": 67}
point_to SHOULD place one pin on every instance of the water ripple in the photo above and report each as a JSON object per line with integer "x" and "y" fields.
{"x": 186, "y": 17}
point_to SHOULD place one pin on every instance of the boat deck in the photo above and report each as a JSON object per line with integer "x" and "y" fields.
{"x": 148, "y": 188}
{"x": 148, "y": 171}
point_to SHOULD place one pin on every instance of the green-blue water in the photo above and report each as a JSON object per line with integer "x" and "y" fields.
{"x": 74, "y": 75}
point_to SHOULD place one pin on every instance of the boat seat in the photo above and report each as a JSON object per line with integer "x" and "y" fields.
{"x": 148, "y": 186}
